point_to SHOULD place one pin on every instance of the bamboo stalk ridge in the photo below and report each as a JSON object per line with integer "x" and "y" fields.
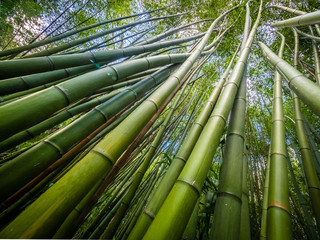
{"x": 183, "y": 196}
{"x": 20, "y": 67}
{"x": 306, "y": 90}
{"x": 16, "y": 117}
{"x": 306, "y": 19}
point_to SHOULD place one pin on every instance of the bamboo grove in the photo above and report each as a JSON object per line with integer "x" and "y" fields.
{"x": 164, "y": 120}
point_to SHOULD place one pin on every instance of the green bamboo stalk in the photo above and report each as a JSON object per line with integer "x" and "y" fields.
{"x": 17, "y": 84}
{"x": 296, "y": 12}
{"x": 245, "y": 233}
{"x": 120, "y": 163}
{"x": 32, "y": 109}
{"x": 316, "y": 58}
{"x": 306, "y": 19}
{"x": 313, "y": 182}
{"x": 138, "y": 209}
{"x": 290, "y": 10}
{"x": 26, "y": 166}
{"x": 22, "y": 67}
{"x": 111, "y": 199}
{"x": 278, "y": 216}
{"x": 15, "y": 96}
{"x": 179, "y": 204}
{"x": 168, "y": 33}
{"x": 179, "y": 161}
{"x": 73, "y": 43}
{"x": 112, "y": 227}
{"x": 308, "y": 35}
{"x": 310, "y": 226}
{"x": 51, "y": 122}
{"x": 305, "y": 89}
{"x": 227, "y": 213}
{"x": 190, "y": 232}
{"x": 263, "y": 231}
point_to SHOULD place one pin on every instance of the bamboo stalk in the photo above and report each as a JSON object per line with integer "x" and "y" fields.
{"x": 278, "y": 216}
{"x": 305, "y": 89}
{"x": 73, "y": 43}
{"x": 306, "y": 19}
{"x": 184, "y": 194}
{"x": 227, "y": 213}
{"x": 32, "y": 109}
{"x": 20, "y": 67}
{"x": 307, "y": 160}
{"x": 26, "y": 166}
{"x": 178, "y": 162}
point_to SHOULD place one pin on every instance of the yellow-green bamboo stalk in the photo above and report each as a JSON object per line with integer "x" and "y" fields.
{"x": 278, "y": 216}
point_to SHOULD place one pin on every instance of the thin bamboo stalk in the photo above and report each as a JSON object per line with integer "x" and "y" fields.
{"x": 308, "y": 35}
{"x": 70, "y": 44}
{"x": 263, "y": 231}
{"x": 61, "y": 36}
{"x": 290, "y": 10}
